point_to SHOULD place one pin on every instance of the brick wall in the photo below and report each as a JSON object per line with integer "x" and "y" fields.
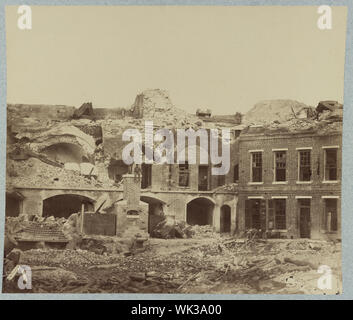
{"x": 317, "y": 189}
{"x": 266, "y": 144}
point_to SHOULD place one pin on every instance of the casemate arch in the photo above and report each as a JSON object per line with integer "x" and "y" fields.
{"x": 200, "y": 212}
{"x": 64, "y": 205}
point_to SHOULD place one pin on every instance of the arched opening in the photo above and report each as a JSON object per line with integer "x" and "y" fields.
{"x": 66, "y": 204}
{"x": 200, "y": 211}
{"x": 65, "y": 153}
{"x": 13, "y": 204}
{"x": 225, "y": 219}
{"x": 155, "y": 211}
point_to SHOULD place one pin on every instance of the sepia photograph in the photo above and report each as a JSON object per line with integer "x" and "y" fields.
{"x": 174, "y": 149}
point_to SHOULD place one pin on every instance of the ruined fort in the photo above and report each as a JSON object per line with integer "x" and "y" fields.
{"x": 284, "y": 177}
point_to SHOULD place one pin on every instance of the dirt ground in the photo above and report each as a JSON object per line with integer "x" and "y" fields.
{"x": 221, "y": 265}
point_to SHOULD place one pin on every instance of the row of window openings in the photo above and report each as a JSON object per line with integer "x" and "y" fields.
{"x": 304, "y": 165}
{"x": 277, "y": 214}
{"x": 280, "y": 161}
{"x": 184, "y": 176}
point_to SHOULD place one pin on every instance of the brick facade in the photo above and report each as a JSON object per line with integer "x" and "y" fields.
{"x": 317, "y": 190}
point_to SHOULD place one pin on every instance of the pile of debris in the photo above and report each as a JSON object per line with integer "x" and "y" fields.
{"x": 156, "y": 105}
{"x": 265, "y": 112}
{"x": 42, "y": 232}
{"x": 224, "y": 265}
{"x": 206, "y": 231}
{"x": 169, "y": 228}
{"x": 35, "y": 229}
{"x": 293, "y": 116}
{"x": 32, "y": 172}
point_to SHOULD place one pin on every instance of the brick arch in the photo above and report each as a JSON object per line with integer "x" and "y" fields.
{"x": 200, "y": 211}
{"x": 153, "y": 196}
{"x": 204, "y": 197}
{"x": 52, "y": 193}
{"x": 63, "y": 205}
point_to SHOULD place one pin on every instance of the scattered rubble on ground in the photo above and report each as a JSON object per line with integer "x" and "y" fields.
{"x": 200, "y": 261}
{"x": 207, "y": 265}
{"x": 206, "y": 231}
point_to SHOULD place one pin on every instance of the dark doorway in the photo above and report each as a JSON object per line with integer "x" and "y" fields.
{"x": 255, "y": 214}
{"x": 225, "y": 219}
{"x": 203, "y": 178}
{"x": 200, "y": 211}
{"x": 155, "y": 212}
{"x": 331, "y": 215}
{"x": 146, "y": 180}
{"x": 13, "y": 205}
{"x": 66, "y": 204}
{"x": 304, "y": 218}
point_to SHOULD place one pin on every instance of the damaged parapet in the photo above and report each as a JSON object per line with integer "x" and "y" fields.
{"x": 132, "y": 214}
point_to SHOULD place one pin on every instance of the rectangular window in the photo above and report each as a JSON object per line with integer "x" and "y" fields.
{"x": 304, "y": 207}
{"x": 305, "y": 165}
{"x": 184, "y": 175}
{"x": 254, "y": 211}
{"x": 146, "y": 180}
{"x": 203, "y": 177}
{"x": 330, "y": 220}
{"x": 280, "y": 165}
{"x": 280, "y": 213}
{"x": 221, "y": 179}
{"x": 256, "y": 166}
{"x": 331, "y": 164}
{"x": 236, "y": 173}
{"x": 277, "y": 214}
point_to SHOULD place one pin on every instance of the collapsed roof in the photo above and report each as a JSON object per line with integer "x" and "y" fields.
{"x": 267, "y": 111}
{"x": 289, "y": 116}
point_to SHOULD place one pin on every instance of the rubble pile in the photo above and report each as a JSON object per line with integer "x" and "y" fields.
{"x": 33, "y": 172}
{"x": 170, "y": 228}
{"x": 36, "y": 229}
{"x": 46, "y": 230}
{"x": 156, "y": 105}
{"x": 306, "y": 125}
{"x": 292, "y": 116}
{"x": 214, "y": 265}
{"x": 205, "y": 231}
{"x": 67, "y": 258}
{"x": 280, "y": 110}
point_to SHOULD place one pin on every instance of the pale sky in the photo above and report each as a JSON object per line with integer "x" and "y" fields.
{"x": 222, "y": 58}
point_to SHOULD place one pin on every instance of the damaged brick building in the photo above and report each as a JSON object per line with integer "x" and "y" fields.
{"x": 290, "y": 183}
{"x": 62, "y": 160}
